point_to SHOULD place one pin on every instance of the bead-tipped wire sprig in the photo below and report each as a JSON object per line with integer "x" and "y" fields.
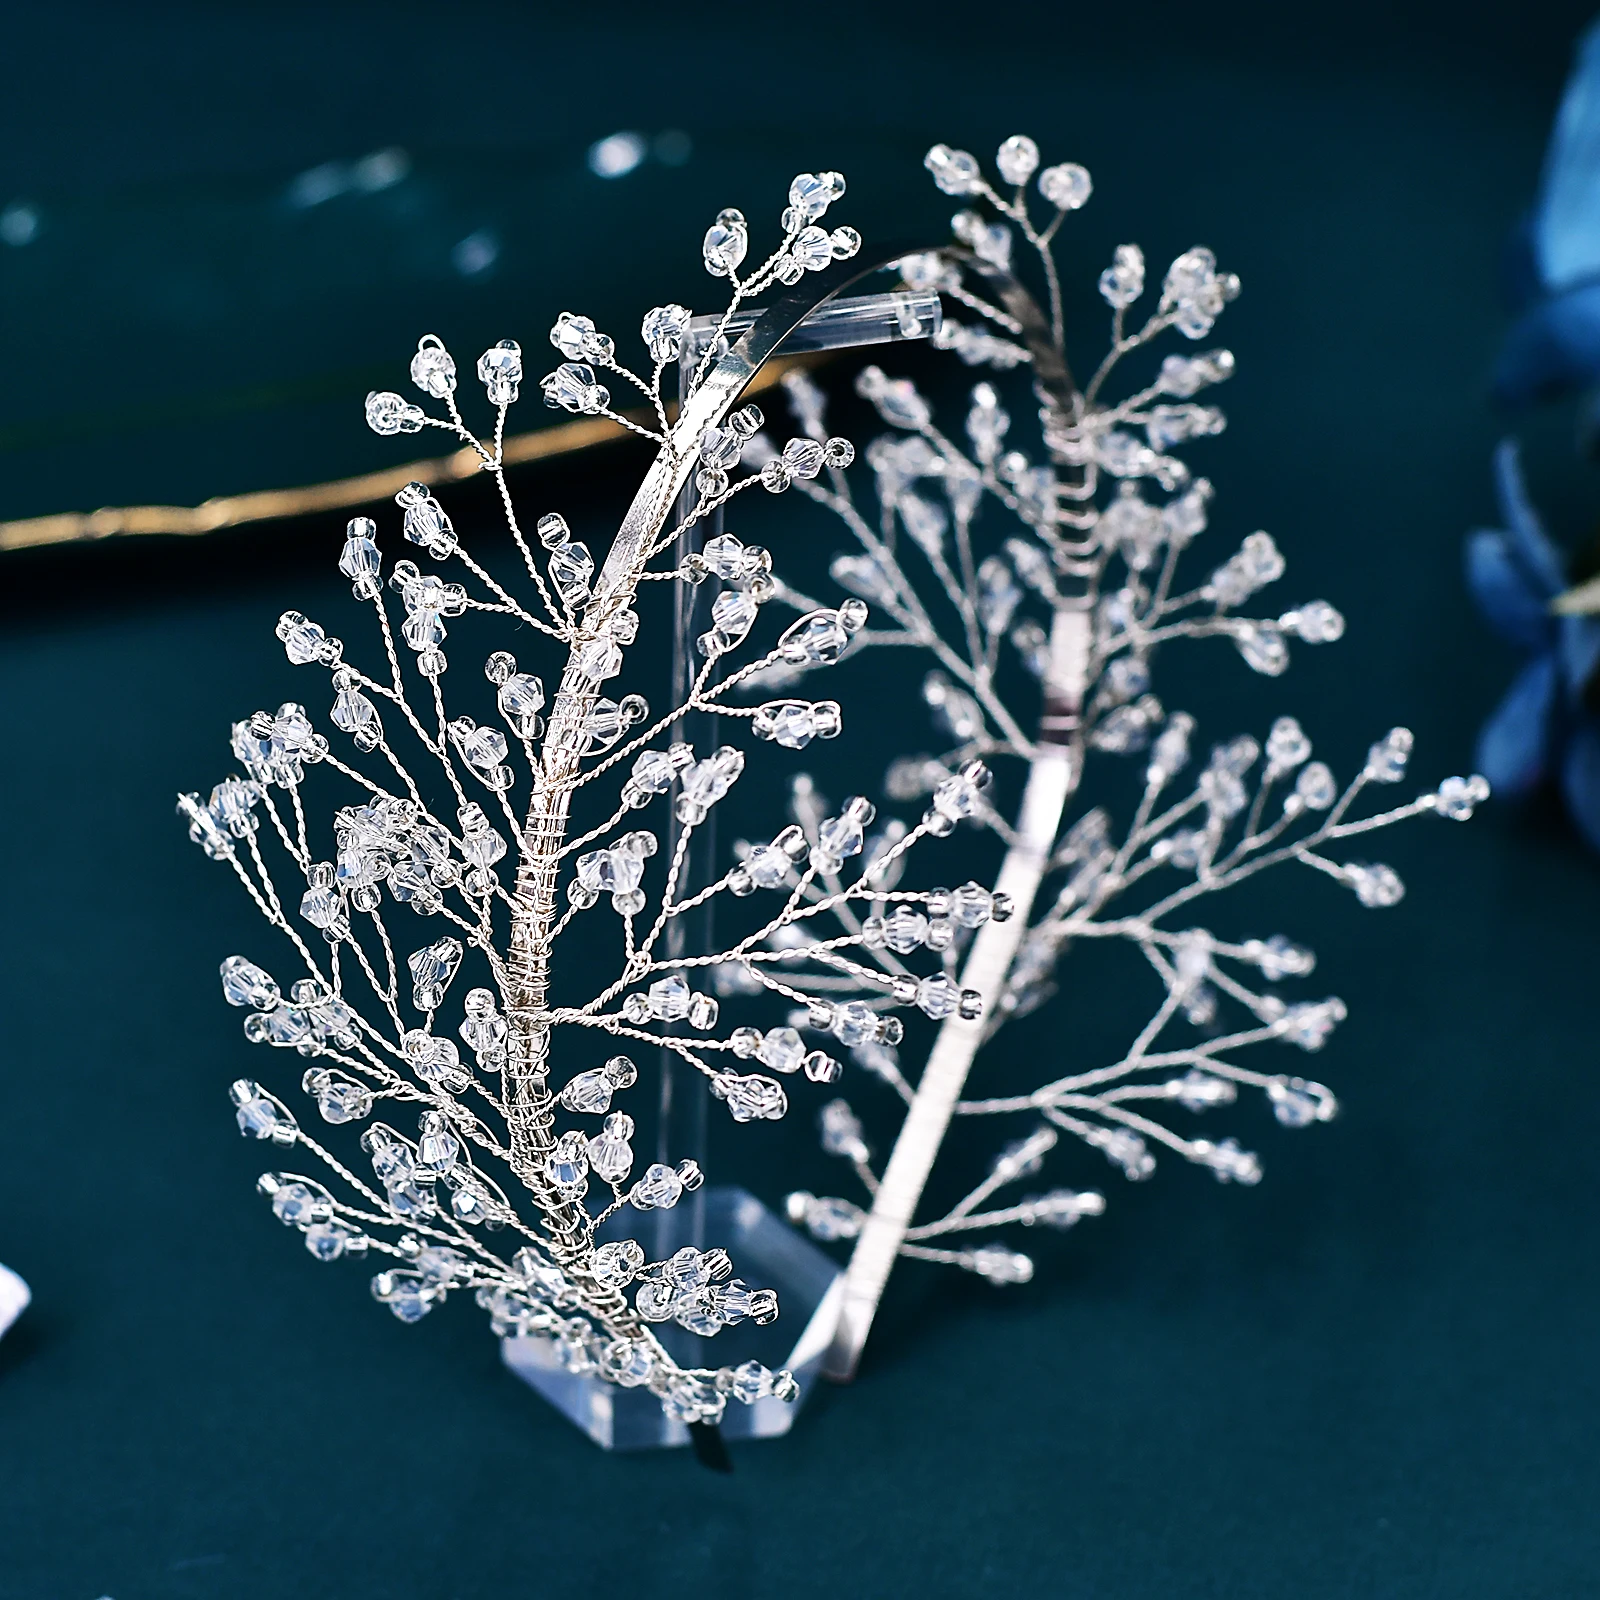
{"x": 1067, "y": 561}
{"x": 501, "y": 1157}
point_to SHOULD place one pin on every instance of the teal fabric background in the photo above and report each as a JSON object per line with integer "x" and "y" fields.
{"x": 1374, "y": 1375}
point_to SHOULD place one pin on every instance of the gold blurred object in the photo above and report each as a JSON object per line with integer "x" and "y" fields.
{"x": 1582, "y": 601}
{"x": 268, "y": 505}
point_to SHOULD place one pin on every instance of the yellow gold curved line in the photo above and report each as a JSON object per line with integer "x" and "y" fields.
{"x": 268, "y": 505}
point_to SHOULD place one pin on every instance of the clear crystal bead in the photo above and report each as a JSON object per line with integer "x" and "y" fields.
{"x": 954, "y": 171}
{"x": 327, "y": 1241}
{"x": 355, "y": 714}
{"x": 669, "y": 998}
{"x": 707, "y": 781}
{"x": 573, "y": 387}
{"x": 406, "y": 1294}
{"x": 1316, "y": 622}
{"x": 571, "y": 568}
{"x": 1308, "y": 1025}
{"x": 1457, "y": 797}
{"x": 1194, "y": 292}
{"x": 567, "y": 1165}
{"x": 521, "y": 699}
{"x": 338, "y": 1099}
{"x": 425, "y": 521}
{"x": 578, "y": 340}
{"x": 1291, "y": 1105}
{"x": 768, "y": 866}
{"x": 841, "y": 837}
{"x": 433, "y": 368}
{"x": 438, "y": 1148}
{"x": 1386, "y": 760}
{"x": 618, "y": 1263}
{"x": 1375, "y": 886}
{"x": 246, "y": 984}
{"x": 1315, "y": 787}
{"x": 1123, "y": 281}
{"x": 752, "y": 1098}
{"x": 781, "y": 1049}
{"x": 663, "y": 330}
{"x": 432, "y": 968}
{"x": 500, "y": 371}
{"x": 1263, "y": 647}
{"x": 854, "y": 1022}
{"x": 1067, "y": 186}
{"x": 1287, "y": 746}
{"x": 360, "y": 560}
{"x": 1017, "y": 159}
{"x": 904, "y": 929}
{"x": 938, "y": 996}
{"x": 655, "y": 1297}
{"x": 971, "y": 905}
{"x": 659, "y": 1189}
{"x": 392, "y": 413}
{"x": 590, "y": 1092}
{"x": 732, "y": 615}
{"x": 826, "y": 1219}
{"x": 610, "y": 1154}
{"x": 1000, "y": 1265}
{"x": 260, "y": 1117}
{"x": 725, "y": 244}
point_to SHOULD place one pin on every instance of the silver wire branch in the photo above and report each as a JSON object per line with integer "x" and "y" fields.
{"x": 1059, "y": 555}
{"x": 496, "y": 833}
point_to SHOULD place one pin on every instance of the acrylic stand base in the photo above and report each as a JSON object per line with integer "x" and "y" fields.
{"x": 767, "y": 1254}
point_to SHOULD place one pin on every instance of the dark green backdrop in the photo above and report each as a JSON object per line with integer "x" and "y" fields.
{"x": 1375, "y": 1375}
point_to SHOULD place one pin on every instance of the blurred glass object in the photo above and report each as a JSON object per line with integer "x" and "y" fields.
{"x": 476, "y": 253}
{"x": 380, "y": 170}
{"x": 19, "y": 224}
{"x": 618, "y": 155}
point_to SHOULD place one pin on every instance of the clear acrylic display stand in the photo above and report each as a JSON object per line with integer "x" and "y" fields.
{"x": 766, "y": 1251}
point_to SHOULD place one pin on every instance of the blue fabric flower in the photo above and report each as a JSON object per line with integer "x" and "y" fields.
{"x": 1555, "y": 267}
{"x": 1543, "y": 729}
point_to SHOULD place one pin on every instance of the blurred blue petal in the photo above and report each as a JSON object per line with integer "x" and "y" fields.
{"x": 1515, "y": 609}
{"x": 1580, "y": 778}
{"x": 1554, "y": 345}
{"x": 1567, "y": 228}
{"x": 1530, "y": 544}
{"x": 1519, "y": 264}
{"x": 1515, "y": 747}
{"x": 1580, "y": 654}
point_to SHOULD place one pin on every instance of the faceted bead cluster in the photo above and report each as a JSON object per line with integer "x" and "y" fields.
{"x": 670, "y": 999}
{"x": 617, "y": 870}
{"x": 571, "y": 565}
{"x": 425, "y": 521}
{"x": 694, "y": 1289}
{"x": 662, "y": 1187}
{"x": 654, "y": 772}
{"x": 795, "y": 723}
{"x": 705, "y": 782}
{"x": 500, "y": 372}
{"x": 769, "y": 866}
{"x": 956, "y": 798}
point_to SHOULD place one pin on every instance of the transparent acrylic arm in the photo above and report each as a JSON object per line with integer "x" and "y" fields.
{"x": 847, "y": 323}
{"x": 843, "y": 324}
